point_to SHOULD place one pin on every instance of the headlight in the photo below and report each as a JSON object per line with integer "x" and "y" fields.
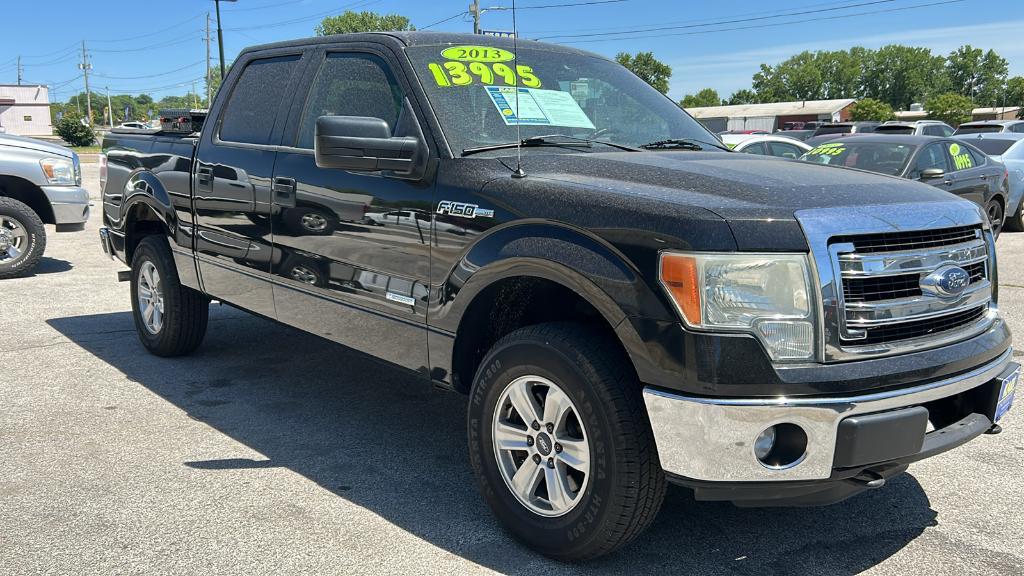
{"x": 58, "y": 171}
{"x": 767, "y": 295}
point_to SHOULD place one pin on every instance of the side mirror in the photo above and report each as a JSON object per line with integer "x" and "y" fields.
{"x": 362, "y": 144}
{"x": 932, "y": 173}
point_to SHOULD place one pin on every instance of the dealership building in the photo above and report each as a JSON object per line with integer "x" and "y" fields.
{"x": 25, "y": 110}
{"x": 771, "y": 117}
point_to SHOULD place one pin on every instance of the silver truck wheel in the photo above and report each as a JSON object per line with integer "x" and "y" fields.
{"x": 542, "y": 449}
{"x": 151, "y": 298}
{"x": 22, "y": 238}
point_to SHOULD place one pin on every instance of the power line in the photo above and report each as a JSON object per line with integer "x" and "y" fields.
{"x": 149, "y": 35}
{"x": 463, "y": 13}
{"x": 772, "y": 25}
{"x": 317, "y": 16}
{"x": 567, "y": 5}
{"x": 155, "y": 88}
{"x": 192, "y": 65}
{"x": 147, "y": 48}
{"x": 718, "y": 23}
{"x": 261, "y": 6}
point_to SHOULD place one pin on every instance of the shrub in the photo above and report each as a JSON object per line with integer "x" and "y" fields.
{"x": 71, "y": 130}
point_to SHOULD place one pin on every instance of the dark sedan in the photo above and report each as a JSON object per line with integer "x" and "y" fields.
{"x": 951, "y": 165}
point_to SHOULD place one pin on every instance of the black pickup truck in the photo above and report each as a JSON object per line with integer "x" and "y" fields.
{"x": 625, "y": 302}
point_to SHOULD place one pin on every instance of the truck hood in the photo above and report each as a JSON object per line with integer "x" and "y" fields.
{"x": 756, "y": 195}
{"x": 33, "y": 144}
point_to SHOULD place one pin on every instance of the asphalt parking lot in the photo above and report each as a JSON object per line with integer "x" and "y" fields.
{"x": 270, "y": 451}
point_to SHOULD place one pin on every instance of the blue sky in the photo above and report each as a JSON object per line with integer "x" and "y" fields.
{"x": 162, "y": 52}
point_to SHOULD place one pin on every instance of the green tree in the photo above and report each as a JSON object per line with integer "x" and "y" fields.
{"x": 770, "y": 86}
{"x": 71, "y": 130}
{"x": 1014, "y": 95}
{"x": 841, "y": 72}
{"x": 902, "y": 75}
{"x": 648, "y": 68}
{"x": 871, "y": 109}
{"x": 214, "y": 82}
{"x": 976, "y": 74}
{"x": 703, "y": 97}
{"x": 365, "y": 21}
{"x": 952, "y": 108}
{"x": 743, "y": 96}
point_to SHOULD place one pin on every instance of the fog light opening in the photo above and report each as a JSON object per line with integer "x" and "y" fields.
{"x": 781, "y": 446}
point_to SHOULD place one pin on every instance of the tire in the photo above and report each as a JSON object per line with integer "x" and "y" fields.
{"x": 184, "y": 312}
{"x": 22, "y": 239}
{"x": 624, "y": 486}
{"x": 996, "y": 217}
{"x": 1015, "y": 222}
{"x": 307, "y": 221}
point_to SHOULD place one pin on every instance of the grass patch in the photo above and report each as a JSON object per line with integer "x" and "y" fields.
{"x": 87, "y": 149}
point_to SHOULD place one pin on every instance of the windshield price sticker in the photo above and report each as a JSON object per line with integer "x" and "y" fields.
{"x": 961, "y": 157}
{"x": 455, "y": 73}
{"x": 538, "y": 107}
{"x": 477, "y": 54}
{"x": 834, "y": 149}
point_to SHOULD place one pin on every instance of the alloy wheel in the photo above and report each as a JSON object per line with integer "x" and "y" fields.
{"x": 14, "y": 239}
{"x": 151, "y": 298}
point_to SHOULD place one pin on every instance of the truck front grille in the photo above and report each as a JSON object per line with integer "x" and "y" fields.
{"x": 883, "y": 303}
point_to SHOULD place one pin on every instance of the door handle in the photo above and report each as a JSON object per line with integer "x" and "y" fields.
{"x": 204, "y": 175}
{"x": 284, "y": 188}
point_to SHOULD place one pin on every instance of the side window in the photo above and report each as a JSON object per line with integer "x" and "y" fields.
{"x": 784, "y": 150}
{"x": 755, "y": 148}
{"x": 979, "y": 158}
{"x": 960, "y": 157}
{"x": 931, "y": 156}
{"x": 946, "y": 131}
{"x": 1019, "y": 128}
{"x": 351, "y": 84}
{"x": 933, "y": 130}
{"x": 251, "y": 110}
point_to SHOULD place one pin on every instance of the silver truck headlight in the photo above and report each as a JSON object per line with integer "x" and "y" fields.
{"x": 767, "y": 295}
{"x": 58, "y": 171}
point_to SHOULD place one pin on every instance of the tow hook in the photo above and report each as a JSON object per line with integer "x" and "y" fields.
{"x": 869, "y": 479}
{"x": 995, "y": 429}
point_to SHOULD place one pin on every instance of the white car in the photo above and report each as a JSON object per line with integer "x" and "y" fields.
{"x": 412, "y": 218}
{"x": 766, "y": 145}
{"x": 135, "y": 125}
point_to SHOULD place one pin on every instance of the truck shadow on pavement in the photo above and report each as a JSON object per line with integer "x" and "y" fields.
{"x": 385, "y": 441}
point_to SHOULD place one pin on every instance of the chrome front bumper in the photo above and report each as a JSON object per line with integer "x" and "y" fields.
{"x": 711, "y": 439}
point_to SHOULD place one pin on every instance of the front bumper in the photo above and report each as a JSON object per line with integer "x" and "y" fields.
{"x": 710, "y": 440}
{"x": 70, "y": 206}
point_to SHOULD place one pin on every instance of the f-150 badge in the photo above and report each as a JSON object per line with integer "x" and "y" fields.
{"x": 463, "y": 210}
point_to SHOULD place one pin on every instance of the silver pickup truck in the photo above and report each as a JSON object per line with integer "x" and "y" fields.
{"x": 40, "y": 183}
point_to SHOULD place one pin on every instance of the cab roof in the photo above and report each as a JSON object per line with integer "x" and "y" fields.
{"x": 417, "y": 38}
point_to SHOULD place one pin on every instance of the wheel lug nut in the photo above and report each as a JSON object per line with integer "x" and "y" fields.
{"x": 536, "y": 458}
{"x": 535, "y": 425}
{"x": 551, "y": 462}
{"x": 558, "y": 447}
{"x": 529, "y": 440}
{"x": 551, "y": 428}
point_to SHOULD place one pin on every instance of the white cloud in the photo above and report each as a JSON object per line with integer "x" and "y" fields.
{"x": 731, "y": 71}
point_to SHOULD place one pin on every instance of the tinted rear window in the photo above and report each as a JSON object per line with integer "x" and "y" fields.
{"x": 250, "y": 113}
{"x": 895, "y": 129}
{"x": 833, "y": 130}
{"x": 991, "y": 146}
{"x": 979, "y": 129}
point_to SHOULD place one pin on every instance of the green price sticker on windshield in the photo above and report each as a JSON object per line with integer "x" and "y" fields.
{"x": 477, "y": 54}
{"x": 834, "y": 149}
{"x": 456, "y": 73}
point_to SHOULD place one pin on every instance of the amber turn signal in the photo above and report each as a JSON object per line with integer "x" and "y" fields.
{"x": 679, "y": 275}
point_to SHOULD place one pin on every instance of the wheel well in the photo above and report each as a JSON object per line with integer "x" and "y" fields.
{"x": 142, "y": 221}
{"x": 513, "y": 303}
{"x": 28, "y": 193}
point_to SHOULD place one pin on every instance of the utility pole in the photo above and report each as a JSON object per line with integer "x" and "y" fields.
{"x": 209, "y": 96}
{"x": 85, "y": 66}
{"x": 19, "y": 70}
{"x": 474, "y": 9}
{"x": 220, "y": 36}
{"x": 195, "y": 96}
{"x": 110, "y": 108}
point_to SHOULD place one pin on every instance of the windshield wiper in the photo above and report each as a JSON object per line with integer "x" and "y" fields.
{"x": 681, "y": 143}
{"x": 546, "y": 140}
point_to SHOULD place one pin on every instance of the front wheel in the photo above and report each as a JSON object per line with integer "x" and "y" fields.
{"x": 170, "y": 319}
{"x": 22, "y": 238}
{"x": 560, "y": 442}
{"x": 1015, "y": 221}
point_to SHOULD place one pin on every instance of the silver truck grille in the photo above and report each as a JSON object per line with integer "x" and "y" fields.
{"x": 883, "y": 300}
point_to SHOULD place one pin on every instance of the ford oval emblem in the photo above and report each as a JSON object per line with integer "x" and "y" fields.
{"x": 946, "y": 282}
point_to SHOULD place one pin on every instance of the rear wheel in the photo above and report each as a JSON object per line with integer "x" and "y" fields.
{"x": 170, "y": 319}
{"x": 996, "y": 215}
{"x": 22, "y": 238}
{"x": 1015, "y": 221}
{"x": 560, "y": 442}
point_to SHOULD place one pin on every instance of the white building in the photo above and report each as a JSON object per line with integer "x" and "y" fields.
{"x": 771, "y": 117}
{"x": 25, "y": 110}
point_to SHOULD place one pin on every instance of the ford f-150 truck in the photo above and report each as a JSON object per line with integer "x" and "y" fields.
{"x": 624, "y": 301}
{"x": 40, "y": 183}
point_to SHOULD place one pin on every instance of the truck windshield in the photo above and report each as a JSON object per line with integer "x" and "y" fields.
{"x": 881, "y": 157}
{"x": 473, "y": 92}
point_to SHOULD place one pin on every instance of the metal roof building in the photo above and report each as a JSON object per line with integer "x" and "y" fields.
{"x": 770, "y": 117}
{"x": 25, "y": 110}
{"x": 997, "y": 113}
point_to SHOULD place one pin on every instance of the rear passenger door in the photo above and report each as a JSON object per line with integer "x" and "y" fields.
{"x": 232, "y": 182}
{"x": 355, "y": 256}
{"x": 968, "y": 174}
